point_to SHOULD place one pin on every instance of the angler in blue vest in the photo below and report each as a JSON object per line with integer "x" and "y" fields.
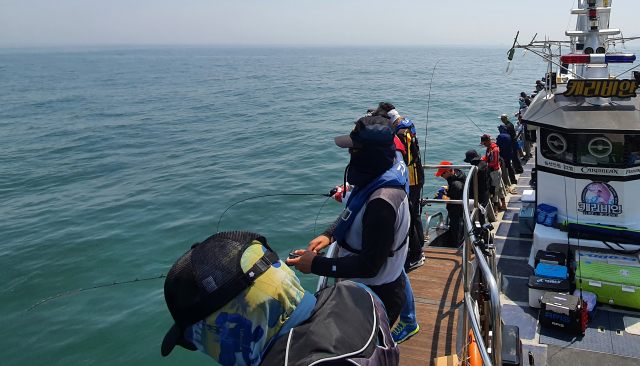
{"x": 372, "y": 230}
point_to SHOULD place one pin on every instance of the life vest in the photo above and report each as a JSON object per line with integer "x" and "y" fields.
{"x": 395, "y": 176}
{"x": 407, "y": 130}
{"x": 392, "y": 187}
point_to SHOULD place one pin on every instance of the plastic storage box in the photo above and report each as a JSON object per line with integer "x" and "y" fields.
{"x": 563, "y": 312}
{"x": 549, "y": 271}
{"x": 528, "y": 198}
{"x": 526, "y": 221}
{"x": 614, "y": 284}
{"x": 553, "y": 258}
{"x": 538, "y": 286}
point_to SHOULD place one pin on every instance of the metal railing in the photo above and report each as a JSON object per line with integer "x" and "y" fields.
{"x": 490, "y": 355}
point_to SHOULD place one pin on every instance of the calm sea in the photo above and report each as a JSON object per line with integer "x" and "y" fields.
{"x": 115, "y": 160}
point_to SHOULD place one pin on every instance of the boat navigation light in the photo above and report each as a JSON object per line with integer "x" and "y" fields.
{"x": 598, "y": 58}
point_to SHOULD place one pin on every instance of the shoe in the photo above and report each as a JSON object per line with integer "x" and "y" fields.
{"x": 410, "y": 266}
{"x": 404, "y": 331}
{"x": 513, "y": 191}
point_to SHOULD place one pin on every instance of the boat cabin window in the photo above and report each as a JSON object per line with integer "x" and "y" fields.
{"x": 605, "y": 150}
{"x": 600, "y": 150}
{"x": 557, "y": 146}
{"x": 633, "y": 149}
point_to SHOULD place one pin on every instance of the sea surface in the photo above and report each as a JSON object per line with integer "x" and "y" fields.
{"x": 114, "y": 161}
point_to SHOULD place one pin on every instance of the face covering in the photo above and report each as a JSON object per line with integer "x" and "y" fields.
{"x": 237, "y": 333}
{"x": 370, "y": 162}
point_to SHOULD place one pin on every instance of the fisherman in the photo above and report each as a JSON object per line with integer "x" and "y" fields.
{"x": 539, "y": 88}
{"x": 372, "y": 230}
{"x": 492, "y": 158}
{"x": 511, "y": 130}
{"x": 506, "y": 151}
{"x": 406, "y": 132}
{"x": 455, "y": 179}
{"x": 484, "y": 179}
{"x": 234, "y": 300}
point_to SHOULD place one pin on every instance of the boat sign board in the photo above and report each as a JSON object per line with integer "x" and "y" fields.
{"x": 620, "y": 172}
{"x": 599, "y": 199}
{"x": 591, "y": 88}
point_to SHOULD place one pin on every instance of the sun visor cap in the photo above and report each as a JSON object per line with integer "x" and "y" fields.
{"x": 376, "y": 130}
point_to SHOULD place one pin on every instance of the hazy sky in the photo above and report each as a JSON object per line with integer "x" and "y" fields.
{"x": 291, "y": 22}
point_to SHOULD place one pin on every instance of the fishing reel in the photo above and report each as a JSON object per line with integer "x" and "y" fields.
{"x": 481, "y": 233}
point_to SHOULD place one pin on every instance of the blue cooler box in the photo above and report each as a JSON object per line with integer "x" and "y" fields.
{"x": 549, "y": 271}
{"x": 527, "y": 221}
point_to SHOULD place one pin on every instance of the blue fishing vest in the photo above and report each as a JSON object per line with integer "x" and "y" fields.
{"x": 396, "y": 176}
{"x": 406, "y": 123}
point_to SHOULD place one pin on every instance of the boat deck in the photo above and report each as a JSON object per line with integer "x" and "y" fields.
{"x": 437, "y": 288}
{"x": 438, "y": 292}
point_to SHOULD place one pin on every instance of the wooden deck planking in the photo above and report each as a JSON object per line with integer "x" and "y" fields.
{"x": 437, "y": 287}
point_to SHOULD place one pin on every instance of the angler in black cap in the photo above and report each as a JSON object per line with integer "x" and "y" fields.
{"x": 372, "y": 230}
{"x": 484, "y": 180}
{"x": 232, "y": 299}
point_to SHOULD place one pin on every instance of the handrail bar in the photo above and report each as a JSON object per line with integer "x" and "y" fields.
{"x": 433, "y": 217}
{"x": 323, "y": 281}
{"x": 496, "y": 346}
{"x": 496, "y": 329}
{"x": 475, "y": 327}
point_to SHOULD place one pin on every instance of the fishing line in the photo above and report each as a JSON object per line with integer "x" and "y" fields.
{"x": 316, "y": 222}
{"x": 615, "y": 77}
{"x": 470, "y": 120}
{"x": 269, "y": 195}
{"x": 95, "y": 287}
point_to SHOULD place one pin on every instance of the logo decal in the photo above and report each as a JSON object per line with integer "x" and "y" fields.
{"x": 599, "y": 199}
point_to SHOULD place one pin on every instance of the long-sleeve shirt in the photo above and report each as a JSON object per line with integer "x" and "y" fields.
{"x": 378, "y": 232}
{"x": 492, "y": 157}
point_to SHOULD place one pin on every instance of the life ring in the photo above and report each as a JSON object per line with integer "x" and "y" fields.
{"x": 474, "y": 353}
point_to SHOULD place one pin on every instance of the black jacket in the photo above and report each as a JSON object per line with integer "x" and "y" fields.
{"x": 484, "y": 181}
{"x": 511, "y": 130}
{"x": 455, "y": 191}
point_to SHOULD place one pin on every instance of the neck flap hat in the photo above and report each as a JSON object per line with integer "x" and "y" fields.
{"x": 373, "y": 137}
{"x": 228, "y": 296}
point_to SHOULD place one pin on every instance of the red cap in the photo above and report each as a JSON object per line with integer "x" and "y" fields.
{"x": 484, "y": 138}
{"x": 442, "y": 170}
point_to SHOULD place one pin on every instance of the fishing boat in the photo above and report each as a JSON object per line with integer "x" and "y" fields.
{"x": 490, "y": 302}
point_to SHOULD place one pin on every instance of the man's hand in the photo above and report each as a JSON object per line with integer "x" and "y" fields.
{"x": 319, "y": 243}
{"x": 303, "y": 263}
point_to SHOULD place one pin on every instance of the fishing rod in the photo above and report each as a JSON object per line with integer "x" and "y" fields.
{"x": 271, "y": 195}
{"x": 426, "y": 129}
{"x": 470, "y": 120}
{"x": 95, "y": 287}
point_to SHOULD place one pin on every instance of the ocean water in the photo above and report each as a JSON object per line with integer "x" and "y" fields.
{"x": 115, "y": 160}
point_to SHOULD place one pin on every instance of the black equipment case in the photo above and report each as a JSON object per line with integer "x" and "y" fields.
{"x": 511, "y": 346}
{"x": 552, "y": 258}
{"x": 563, "y": 312}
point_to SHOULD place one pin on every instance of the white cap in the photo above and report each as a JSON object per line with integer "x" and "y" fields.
{"x": 393, "y": 115}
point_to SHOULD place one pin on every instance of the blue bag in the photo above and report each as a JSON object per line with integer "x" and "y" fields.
{"x": 546, "y": 214}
